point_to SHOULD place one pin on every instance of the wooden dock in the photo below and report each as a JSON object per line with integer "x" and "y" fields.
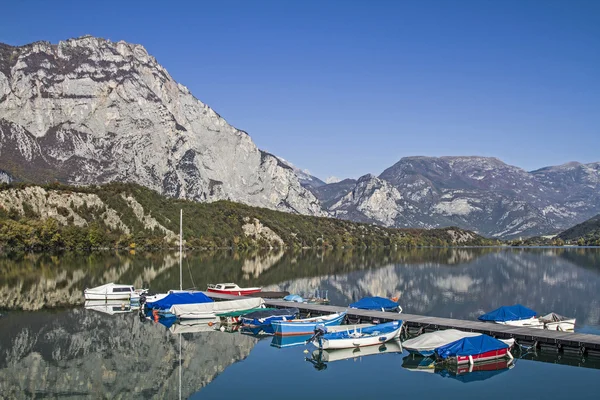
{"x": 580, "y": 343}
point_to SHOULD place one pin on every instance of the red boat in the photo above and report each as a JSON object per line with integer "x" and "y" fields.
{"x": 232, "y": 288}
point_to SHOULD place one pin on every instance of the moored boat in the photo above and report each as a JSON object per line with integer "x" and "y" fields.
{"x": 473, "y": 349}
{"x": 306, "y": 326}
{"x": 113, "y": 291}
{"x": 515, "y": 315}
{"x": 268, "y": 316}
{"x": 370, "y": 336}
{"x": 426, "y": 343}
{"x": 377, "y": 304}
{"x": 555, "y": 322}
{"x": 178, "y": 297}
{"x": 232, "y": 288}
{"x": 233, "y": 317}
{"x": 210, "y": 309}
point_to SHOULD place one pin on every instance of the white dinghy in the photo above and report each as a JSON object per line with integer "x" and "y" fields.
{"x": 209, "y": 310}
{"x": 555, "y": 322}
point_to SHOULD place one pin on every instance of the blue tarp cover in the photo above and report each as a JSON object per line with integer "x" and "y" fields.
{"x": 374, "y": 303}
{"x": 470, "y": 346}
{"x": 508, "y": 313}
{"x": 180, "y": 298}
{"x": 294, "y": 297}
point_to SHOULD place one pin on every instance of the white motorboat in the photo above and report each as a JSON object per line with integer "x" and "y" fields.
{"x": 555, "y": 322}
{"x": 209, "y": 310}
{"x": 113, "y": 291}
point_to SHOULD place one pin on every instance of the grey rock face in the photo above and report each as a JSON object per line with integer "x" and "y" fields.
{"x": 90, "y": 111}
{"x": 478, "y": 193}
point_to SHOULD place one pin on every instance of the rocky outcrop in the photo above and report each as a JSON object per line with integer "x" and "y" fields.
{"x": 91, "y": 111}
{"x": 258, "y": 231}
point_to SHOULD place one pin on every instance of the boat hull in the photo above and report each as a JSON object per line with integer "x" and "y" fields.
{"x": 235, "y": 292}
{"x": 209, "y": 310}
{"x": 482, "y": 357}
{"x": 566, "y": 325}
{"x": 358, "y": 338}
{"x": 110, "y": 296}
{"x": 306, "y": 326}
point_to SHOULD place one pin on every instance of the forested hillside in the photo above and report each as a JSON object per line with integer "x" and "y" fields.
{"x": 127, "y": 215}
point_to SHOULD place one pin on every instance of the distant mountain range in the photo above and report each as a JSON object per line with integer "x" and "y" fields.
{"x": 478, "y": 193}
{"x": 91, "y": 111}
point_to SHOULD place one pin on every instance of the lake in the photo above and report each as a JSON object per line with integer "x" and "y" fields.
{"x": 57, "y": 348}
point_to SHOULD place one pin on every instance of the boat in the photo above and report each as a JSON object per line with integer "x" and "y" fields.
{"x": 473, "y": 349}
{"x": 377, "y": 303}
{"x": 516, "y": 315}
{"x": 320, "y": 357}
{"x": 211, "y": 309}
{"x": 175, "y": 298}
{"x": 267, "y": 316}
{"x": 555, "y": 322}
{"x": 111, "y": 307}
{"x": 113, "y": 291}
{"x": 233, "y": 317}
{"x": 370, "y": 336}
{"x": 426, "y": 343}
{"x": 232, "y": 288}
{"x": 306, "y": 326}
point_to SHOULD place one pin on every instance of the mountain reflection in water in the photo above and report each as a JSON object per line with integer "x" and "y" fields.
{"x": 450, "y": 282}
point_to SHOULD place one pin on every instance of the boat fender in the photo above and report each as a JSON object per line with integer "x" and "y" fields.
{"x": 471, "y": 359}
{"x": 510, "y": 356}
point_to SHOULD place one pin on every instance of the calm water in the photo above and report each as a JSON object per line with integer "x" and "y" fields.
{"x": 68, "y": 351}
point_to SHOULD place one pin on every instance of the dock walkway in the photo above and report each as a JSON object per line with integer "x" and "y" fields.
{"x": 568, "y": 341}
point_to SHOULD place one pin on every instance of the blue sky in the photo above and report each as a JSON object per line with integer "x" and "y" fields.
{"x": 348, "y": 87}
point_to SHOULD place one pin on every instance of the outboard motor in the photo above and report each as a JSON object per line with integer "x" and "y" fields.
{"x": 319, "y": 331}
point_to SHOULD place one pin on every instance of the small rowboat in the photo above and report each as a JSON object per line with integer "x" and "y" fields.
{"x": 306, "y": 326}
{"x": 469, "y": 350}
{"x": 371, "y": 336}
{"x": 232, "y": 288}
{"x": 267, "y": 316}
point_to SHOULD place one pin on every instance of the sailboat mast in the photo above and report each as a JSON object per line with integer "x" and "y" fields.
{"x": 180, "y": 248}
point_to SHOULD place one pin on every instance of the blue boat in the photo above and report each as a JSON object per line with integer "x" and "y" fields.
{"x": 516, "y": 315}
{"x": 369, "y": 336}
{"x": 260, "y": 318}
{"x": 306, "y": 326}
{"x": 376, "y": 303}
{"x": 474, "y": 349}
{"x": 178, "y": 298}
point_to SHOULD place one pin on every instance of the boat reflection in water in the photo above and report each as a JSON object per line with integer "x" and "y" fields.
{"x": 464, "y": 373}
{"x": 321, "y": 357}
{"x": 289, "y": 341}
{"x": 110, "y": 307}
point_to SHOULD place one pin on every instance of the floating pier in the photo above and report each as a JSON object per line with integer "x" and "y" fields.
{"x": 579, "y": 343}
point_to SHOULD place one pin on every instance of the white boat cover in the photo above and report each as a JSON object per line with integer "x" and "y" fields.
{"x": 553, "y": 317}
{"x": 208, "y": 310}
{"x": 433, "y": 340}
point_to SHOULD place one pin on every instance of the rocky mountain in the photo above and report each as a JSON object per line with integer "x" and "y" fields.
{"x": 90, "y": 111}
{"x": 478, "y": 193}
